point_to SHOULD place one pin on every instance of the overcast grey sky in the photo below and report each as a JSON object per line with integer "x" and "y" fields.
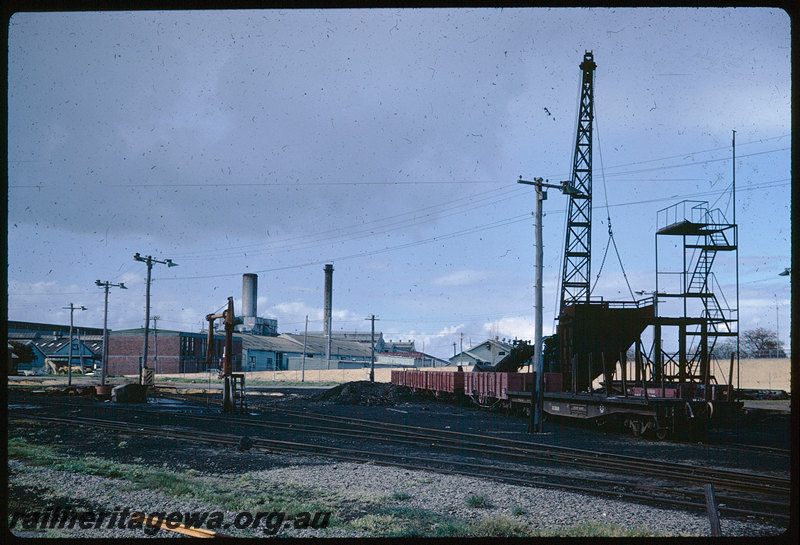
{"x": 388, "y": 143}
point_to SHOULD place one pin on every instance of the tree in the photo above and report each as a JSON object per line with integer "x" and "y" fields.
{"x": 761, "y": 343}
{"x": 724, "y": 349}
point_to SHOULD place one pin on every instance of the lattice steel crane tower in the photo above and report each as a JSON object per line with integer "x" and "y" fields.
{"x": 575, "y": 286}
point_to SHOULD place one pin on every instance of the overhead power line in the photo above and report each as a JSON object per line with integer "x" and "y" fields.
{"x": 463, "y": 232}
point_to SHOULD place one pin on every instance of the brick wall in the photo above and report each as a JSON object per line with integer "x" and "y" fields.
{"x": 124, "y": 352}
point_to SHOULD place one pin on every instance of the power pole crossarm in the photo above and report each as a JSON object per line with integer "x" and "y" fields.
{"x": 106, "y": 285}
{"x": 72, "y": 308}
{"x": 149, "y": 260}
{"x": 535, "y": 424}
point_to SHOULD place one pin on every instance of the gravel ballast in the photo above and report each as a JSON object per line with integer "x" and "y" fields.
{"x": 370, "y": 485}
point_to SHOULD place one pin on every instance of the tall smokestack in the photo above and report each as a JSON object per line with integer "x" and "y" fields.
{"x": 328, "y": 309}
{"x": 249, "y": 295}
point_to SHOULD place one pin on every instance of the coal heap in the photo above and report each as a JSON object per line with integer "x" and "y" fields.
{"x": 366, "y": 393}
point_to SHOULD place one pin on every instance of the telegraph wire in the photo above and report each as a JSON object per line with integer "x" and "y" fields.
{"x": 438, "y": 238}
{"x": 436, "y": 182}
{"x": 474, "y": 229}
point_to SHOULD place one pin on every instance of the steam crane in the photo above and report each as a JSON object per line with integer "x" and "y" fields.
{"x": 228, "y": 387}
{"x": 592, "y": 334}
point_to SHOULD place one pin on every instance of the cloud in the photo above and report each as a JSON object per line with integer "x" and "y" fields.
{"x": 463, "y": 277}
{"x": 511, "y": 328}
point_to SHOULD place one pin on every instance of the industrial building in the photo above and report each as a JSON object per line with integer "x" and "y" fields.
{"x": 169, "y": 352}
{"x": 257, "y": 346}
{"x": 34, "y": 346}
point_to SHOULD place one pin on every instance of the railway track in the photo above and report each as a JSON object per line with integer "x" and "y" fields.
{"x": 743, "y": 481}
{"x": 673, "y": 497}
{"x": 765, "y": 496}
{"x": 523, "y": 451}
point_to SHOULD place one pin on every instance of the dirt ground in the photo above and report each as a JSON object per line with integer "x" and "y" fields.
{"x": 769, "y": 374}
{"x": 316, "y": 375}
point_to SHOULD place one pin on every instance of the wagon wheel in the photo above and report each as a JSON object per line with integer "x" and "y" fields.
{"x": 662, "y": 434}
{"x": 636, "y": 428}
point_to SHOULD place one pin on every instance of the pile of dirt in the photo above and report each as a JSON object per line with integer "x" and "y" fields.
{"x": 365, "y": 393}
{"x": 81, "y": 391}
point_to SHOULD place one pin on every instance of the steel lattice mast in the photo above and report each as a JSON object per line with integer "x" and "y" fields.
{"x": 575, "y": 282}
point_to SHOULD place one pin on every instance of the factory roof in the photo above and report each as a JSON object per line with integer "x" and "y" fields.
{"x": 357, "y": 336}
{"x": 339, "y": 347}
{"x": 272, "y": 344}
{"x": 293, "y": 343}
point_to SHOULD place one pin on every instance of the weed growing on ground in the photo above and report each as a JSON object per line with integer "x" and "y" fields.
{"x": 500, "y": 526}
{"x": 377, "y": 525}
{"x": 411, "y": 522}
{"x": 599, "y": 529}
{"x": 479, "y": 501}
{"x": 401, "y": 496}
{"x": 242, "y": 494}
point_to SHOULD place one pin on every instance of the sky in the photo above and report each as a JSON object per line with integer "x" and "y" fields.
{"x": 387, "y": 142}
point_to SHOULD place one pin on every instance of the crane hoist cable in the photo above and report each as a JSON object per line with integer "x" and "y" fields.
{"x": 608, "y": 220}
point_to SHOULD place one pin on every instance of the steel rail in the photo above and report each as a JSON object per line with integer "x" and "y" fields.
{"x": 527, "y": 471}
{"x": 737, "y": 479}
{"x": 457, "y": 446}
{"x": 397, "y": 461}
{"x": 740, "y": 480}
{"x": 622, "y": 461}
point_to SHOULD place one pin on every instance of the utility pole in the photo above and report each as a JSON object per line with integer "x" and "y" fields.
{"x": 328, "y": 311}
{"x": 106, "y": 285}
{"x": 535, "y": 424}
{"x": 372, "y": 344}
{"x": 155, "y": 338}
{"x": 149, "y": 261}
{"x": 305, "y": 340}
{"x": 71, "y": 309}
{"x": 80, "y": 351}
{"x": 461, "y": 355}
{"x": 777, "y": 330}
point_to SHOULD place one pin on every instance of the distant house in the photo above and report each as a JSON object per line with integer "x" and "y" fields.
{"x": 489, "y": 351}
{"x": 408, "y": 359}
{"x": 398, "y": 346}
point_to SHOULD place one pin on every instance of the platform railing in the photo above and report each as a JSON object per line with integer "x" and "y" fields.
{"x": 697, "y": 212}
{"x": 598, "y": 300}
